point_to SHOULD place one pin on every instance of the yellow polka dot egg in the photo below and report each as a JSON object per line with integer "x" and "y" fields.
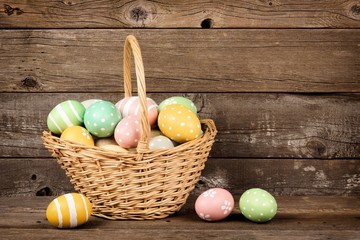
{"x": 179, "y": 123}
{"x": 69, "y": 210}
{"x": 78, "y": 134}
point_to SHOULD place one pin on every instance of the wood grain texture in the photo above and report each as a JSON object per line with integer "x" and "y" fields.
{"x": 33, "y": 177}
{"x": 285, "y": 177}
{"x": 250, "y": 125}
{"x": 182, "y": 60}
{"x": 182, "y": 14}
{"x": 211, "y": 233}
{"x": 297, "y": 218}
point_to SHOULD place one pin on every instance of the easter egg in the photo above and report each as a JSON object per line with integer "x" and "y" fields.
{"x": 78, "y": 134}
{"x": 127, "y": 132}
{"x": 160, "y": 142}
{"x": 101, "y": 118}
{"x": 178, "y": 100}
{"x": 109, "y": 144}
{"x": 88, "y": 102}
{"x": 214, "y": 205}
{"x": 179, "y": 123}
{"x": 131, "y": 106}
{"x": 69, "y": 210}
{"x": 66, "y": 114}
{"x": 258, "y": 205}
{"x": 155, "y": 132}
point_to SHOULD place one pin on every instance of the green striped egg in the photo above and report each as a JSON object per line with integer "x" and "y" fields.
{"x": 66, "y": 114}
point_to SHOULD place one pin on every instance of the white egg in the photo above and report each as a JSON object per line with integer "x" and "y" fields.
{"x": 160, "y": 142}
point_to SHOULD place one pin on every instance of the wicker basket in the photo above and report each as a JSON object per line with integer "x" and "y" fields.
{"x": 144, "y": 184}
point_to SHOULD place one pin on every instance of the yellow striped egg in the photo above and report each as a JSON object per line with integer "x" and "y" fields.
{"x": 69, "y": 210}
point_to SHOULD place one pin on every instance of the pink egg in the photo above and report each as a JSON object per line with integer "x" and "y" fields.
{"x": 214, "y": 205}
{"x": 127, "y": 132}
{"x": 131, "y": 106}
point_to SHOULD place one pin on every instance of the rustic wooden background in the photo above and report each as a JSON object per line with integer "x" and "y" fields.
{"x": 281, "y": 79}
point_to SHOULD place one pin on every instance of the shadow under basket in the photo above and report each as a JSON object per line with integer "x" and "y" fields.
{"x": 144, "y": 184}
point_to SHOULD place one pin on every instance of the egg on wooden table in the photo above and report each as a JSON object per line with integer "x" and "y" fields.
{"x": 65, "y": 114}
{"x": 214, "y": 204}
{"x": 101, "y": 118}
{"x": 78, "y": 134}
{"x": 258, "y": 205}
{"x": 69, "y": 210}
{"x": 179, "y": 123}
{"x": 131, "y": 106}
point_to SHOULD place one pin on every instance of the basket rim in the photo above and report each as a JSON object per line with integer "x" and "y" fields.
{"x": 209, "y": 135}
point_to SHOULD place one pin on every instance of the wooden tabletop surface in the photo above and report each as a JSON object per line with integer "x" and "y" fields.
{"x": 312, "y": 217}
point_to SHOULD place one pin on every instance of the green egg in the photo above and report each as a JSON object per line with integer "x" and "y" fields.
{"x": 258, "y": 205}
{"x": 178, "y": 100}
{"x": 66, "y": 114}
{"x": 101, "y": 118}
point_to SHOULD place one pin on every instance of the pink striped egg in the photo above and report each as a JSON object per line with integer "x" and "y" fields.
{"x": 69, "y": 210}
{"x": 127, "y": 132}
{"x": 131, "y": 106}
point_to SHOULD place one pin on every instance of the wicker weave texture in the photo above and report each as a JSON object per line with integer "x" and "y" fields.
{"x": 141, "y": 184}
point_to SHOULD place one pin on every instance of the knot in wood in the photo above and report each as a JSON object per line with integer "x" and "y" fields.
{"x": 138, "y": 14}
{"x": 46, "y": 191}
{"x": 29, "y": 82}
{"x": 207, "y": 23}
{"x": 317, "y": 149}
{"x": 69, "y": 3}
{"x": 10, "y": 10}
{"x": 355, "y": 10}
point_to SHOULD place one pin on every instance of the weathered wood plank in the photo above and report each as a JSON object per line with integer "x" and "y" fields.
{"x": 250, "y": 125}
{"x": 297, "y": 218}
{"x": 33, "y": 177}
{"x": 182, "y": 14}
{"x": 182, "y": 60}
{"x": 141, "y": 234}
{"x": 302, "y": 207}
{"x": 286, "y": 177}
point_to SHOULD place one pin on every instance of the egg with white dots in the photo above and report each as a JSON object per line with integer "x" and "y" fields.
{"x": 179, "y": 123}
{"x": 78, "y": 134}
{"x": 258, "y": 205}
{"x": 160, "y": 142}
{"x": 127, "y": 132}
{"x": 215, "y": 204}
{"x": 69, "y": 210}
{"x": 178, "y": 100}
{"x": 101, "y": 118}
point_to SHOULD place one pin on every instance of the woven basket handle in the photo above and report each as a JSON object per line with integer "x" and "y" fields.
{"x": 132, "y": 44}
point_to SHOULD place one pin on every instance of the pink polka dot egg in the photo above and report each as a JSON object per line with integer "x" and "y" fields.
{"x": 127, "y": 132}
{"x": 131, "y": 106}
{"x": 214, "y": 204}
